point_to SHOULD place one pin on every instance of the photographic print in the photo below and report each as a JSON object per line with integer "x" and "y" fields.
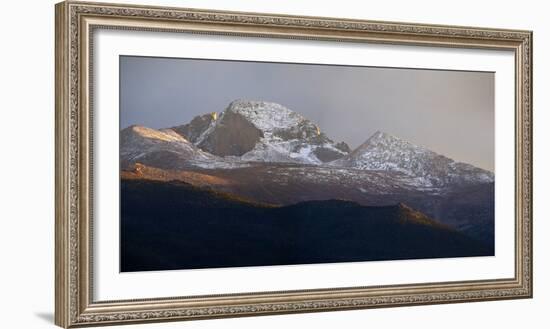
{"x": 233, "y": 163}
{"x": 348, "y": 163}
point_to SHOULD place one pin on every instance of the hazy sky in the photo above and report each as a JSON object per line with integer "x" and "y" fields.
{"x": 450, "y": 112}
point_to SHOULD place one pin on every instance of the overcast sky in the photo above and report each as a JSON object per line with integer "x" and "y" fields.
{"x": 450, "y": 112}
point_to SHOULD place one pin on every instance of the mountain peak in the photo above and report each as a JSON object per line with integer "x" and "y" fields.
{"x": 244, "y": 103}
{"x": 386, "y": 152}
{"x": 262, "y": 131}
{"x": 266, "y": 116}
{"x": 381, "y": 140}
{"x": 381, "y": 136}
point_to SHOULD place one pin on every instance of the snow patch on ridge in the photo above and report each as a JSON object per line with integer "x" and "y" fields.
{"x": 266, "y": 116}
{"x": 385, "y": 152}
{"x": 275, "y": 120}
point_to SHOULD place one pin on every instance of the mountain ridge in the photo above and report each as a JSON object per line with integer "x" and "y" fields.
{"x": 383, "y": 151}
{"x": 197, "y": 228}
{"x": 157, "y": 148}
{"x": 258, "y": 131}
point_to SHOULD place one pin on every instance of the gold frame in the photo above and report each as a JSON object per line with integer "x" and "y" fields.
{"x": 75, "y": 23}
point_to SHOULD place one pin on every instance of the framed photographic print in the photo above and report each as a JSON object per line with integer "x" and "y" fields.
{"x": 216, "y": 164}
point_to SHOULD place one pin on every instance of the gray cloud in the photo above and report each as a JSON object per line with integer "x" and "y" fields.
{"x": 450, "y": 112}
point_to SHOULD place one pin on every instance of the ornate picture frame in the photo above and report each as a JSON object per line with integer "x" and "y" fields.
{"x": 76, "y": 22}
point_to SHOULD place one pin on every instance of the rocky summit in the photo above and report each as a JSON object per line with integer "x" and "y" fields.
{"x": 262, "y": 131}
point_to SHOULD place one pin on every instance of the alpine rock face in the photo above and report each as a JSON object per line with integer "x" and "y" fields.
{"x": 194, "y": 129}
{"x": 261, "y": 131}
{"x": 385, "y": 152}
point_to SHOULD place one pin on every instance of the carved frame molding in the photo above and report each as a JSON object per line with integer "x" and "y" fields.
{"x": 75, "y": 24}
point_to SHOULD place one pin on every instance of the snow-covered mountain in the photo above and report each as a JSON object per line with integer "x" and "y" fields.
{"x": 268, "y": 153}
{"x": 164, "y": 149}
{"x": 385, "y": 152}
{"x": 262, "y": 131}
{"x": 249, "y": 132}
